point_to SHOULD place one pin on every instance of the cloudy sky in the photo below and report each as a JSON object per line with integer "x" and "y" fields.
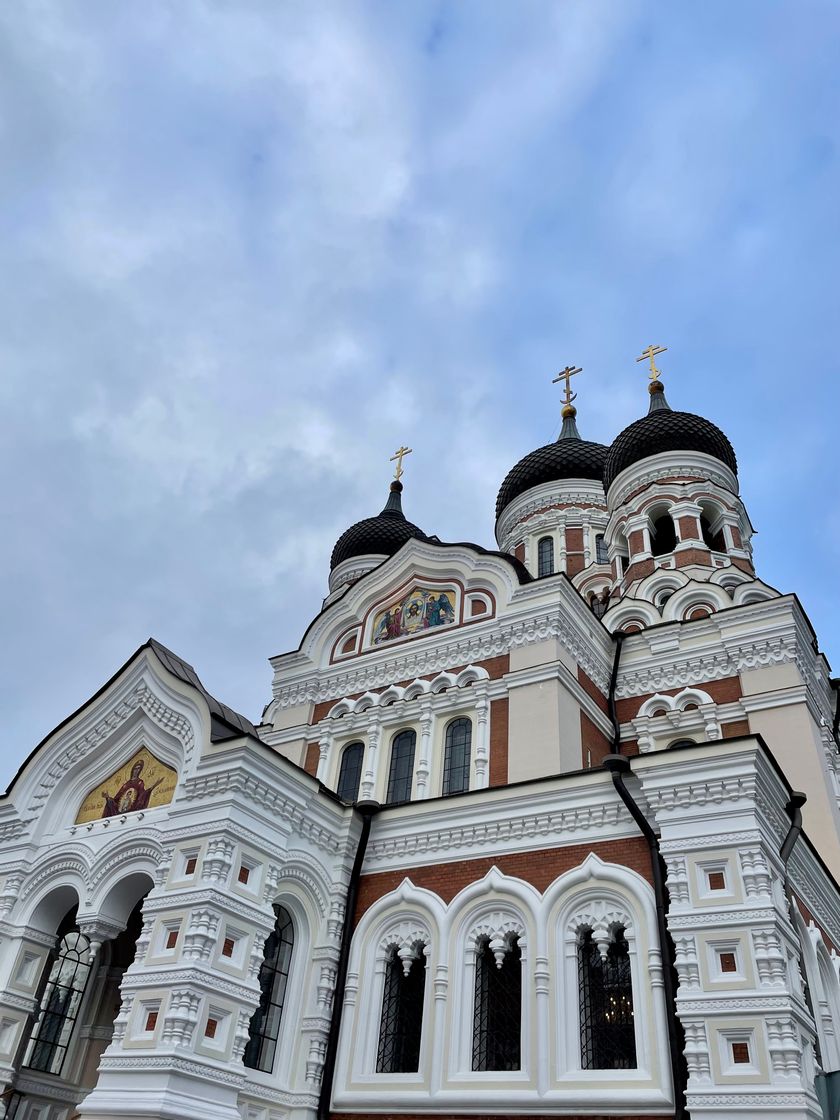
{"x": 248, "y": 247}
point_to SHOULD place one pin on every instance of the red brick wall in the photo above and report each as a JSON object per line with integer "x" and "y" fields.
{"x": 735, "y": 728}
{"x": 519, "y": 553}
{"x": 310, "y": 763}
{"x": 499, "y": 742}
{"x": 693, "y": 556}
{"x": 592, "y": 741}
{"x": 725, "y": 691}
{"x": 592, "y": 690}
{"x": 539, "y": 868}
{"x": 689, "y": 529}
{"x": 496, "y": 667}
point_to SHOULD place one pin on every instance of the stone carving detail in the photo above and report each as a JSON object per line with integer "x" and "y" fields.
{"x": 769, "y": 958}
{"x": 755, "y": 873}
{"x": 411, "y": 940}
{"x": 784, "y": 1046}
{"x": 240, "y": 1035}
{"x": 686, "y": 962}
{"x": 200, "y": 936}
{"x": 218, "y": 860}
{"x": 602, "y": 919}
{"x": 697, "y": 1052}
{"x": 315, "y": 1060}
{"x": 677, "y": 881}
{"x": 326, "y": 987}
{"x": 181, "y": 1017}
{"x": 499, "y": 930}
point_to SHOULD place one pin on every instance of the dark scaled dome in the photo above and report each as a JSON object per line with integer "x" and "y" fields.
{"x": 568, "y": 457}
{"x": 664, "y": 430}
{"x": 382, "y": 535}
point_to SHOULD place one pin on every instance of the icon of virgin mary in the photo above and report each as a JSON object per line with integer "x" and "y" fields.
{"x": 132, "y": 794}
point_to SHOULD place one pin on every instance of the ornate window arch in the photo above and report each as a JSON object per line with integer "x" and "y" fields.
{"x": 605, "y": 999}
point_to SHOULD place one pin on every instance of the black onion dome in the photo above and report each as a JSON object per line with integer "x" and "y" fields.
{"x": 665, "y": 430}
{"x": 382, "y": 535}
{"x": 568, "y": 457}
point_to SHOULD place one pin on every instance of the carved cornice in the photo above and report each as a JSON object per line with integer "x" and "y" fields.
{"x": 195, "y": 978}
{"x": 204, "y": 1071}
{"x": 483, "y": 641}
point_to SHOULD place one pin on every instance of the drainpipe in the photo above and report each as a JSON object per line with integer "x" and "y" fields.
{"x": 835, "y": 727}
{"x": 619, "y": 766}
{"x": 367, "y": 810}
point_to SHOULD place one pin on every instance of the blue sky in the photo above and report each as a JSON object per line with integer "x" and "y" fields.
{"x": 247, "y": 249}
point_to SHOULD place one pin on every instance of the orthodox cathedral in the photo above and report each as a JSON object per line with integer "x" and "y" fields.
{"x": 550, "y": 828}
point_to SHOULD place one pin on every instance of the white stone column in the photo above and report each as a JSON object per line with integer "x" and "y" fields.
{"x": 424, "y": 760}
{"x": 482, "y": 736}
{"x": 324, "y": 750}
{"x": 369, "y": 777}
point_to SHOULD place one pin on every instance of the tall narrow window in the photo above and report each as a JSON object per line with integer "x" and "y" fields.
{"x": 545, "y": 556}
{"x": 497, "y": 1016}
{"x": 402, "y": 1015}
{"x": 663, "y": 535}
{"x": 602, "y": 553}
{"x": 60, "y": 1004}
{"x": 264, "y": 1028}
{"x": 402, "y": 767}
{"x": 456, "y": 756}
{"x": 350, "y": 771}
{"x": 607, "y": 1034}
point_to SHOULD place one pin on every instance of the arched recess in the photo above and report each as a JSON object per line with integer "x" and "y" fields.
{"x": 628, "y": 611}
{"x": 292, "y": 898}
{"x": 501, "y": 912}
{"x": 601, "y": 897}
{"x": 695, "y": 594}
{"x": 408, "y": 922}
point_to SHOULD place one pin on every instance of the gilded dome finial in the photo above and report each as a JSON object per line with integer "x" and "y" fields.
{"x": 655, "y": 388}
{"x": 569, "y": 429}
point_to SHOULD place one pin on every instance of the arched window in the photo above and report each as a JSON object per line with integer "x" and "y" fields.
{"x": 602, "y": 553}
{"x": 663, "y": 535}
{"x": 545, "y": 556}
{"x": 60, "y": 1004}
{"x": 497, "y": 1016}
{"x": 350, "y": 771}
{"x": 607, "y": 1033}
{"x": 402, "y": 767}
{"x": 456, "y": 756}
{"x": 402, "y": 1014}
{"x": 264, "y": 1028}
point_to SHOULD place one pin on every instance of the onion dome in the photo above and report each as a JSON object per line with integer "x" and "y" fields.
{"x": 665, "y": 430}
{"x": 568, "y": 457}
{"x": 382, "y": 535}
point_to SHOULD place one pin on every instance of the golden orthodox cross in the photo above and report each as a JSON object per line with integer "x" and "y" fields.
{"x": 648, "y": 355}
{"x": 566, "y": 375}
{"x": 398, "y": 456}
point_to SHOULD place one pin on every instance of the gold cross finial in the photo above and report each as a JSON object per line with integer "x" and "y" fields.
{"x": 566, "y": 375}
{"x": 398, "y": 456}
{"x": 648, "y": 355}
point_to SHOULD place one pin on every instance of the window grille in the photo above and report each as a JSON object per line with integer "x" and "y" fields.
{"x": 545, "y": 557}
{"x": 497, "y": 1018}
{"x": 350, "y": 771}
{"x": 602, "y": 553}
{"x": 456, "y": 757}
{"x": 402, "y": 767}
{"x": 607, "y": 1032}
{"x": 264, "y": 1028}
{"x": 60, "y": 1004}
{"x": 402, "y": 1016}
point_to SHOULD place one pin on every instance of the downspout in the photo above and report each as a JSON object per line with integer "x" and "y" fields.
{"x": 618, "y": 766}
{"x": 835, "y": 727}
{"x": 367, "y": 810}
